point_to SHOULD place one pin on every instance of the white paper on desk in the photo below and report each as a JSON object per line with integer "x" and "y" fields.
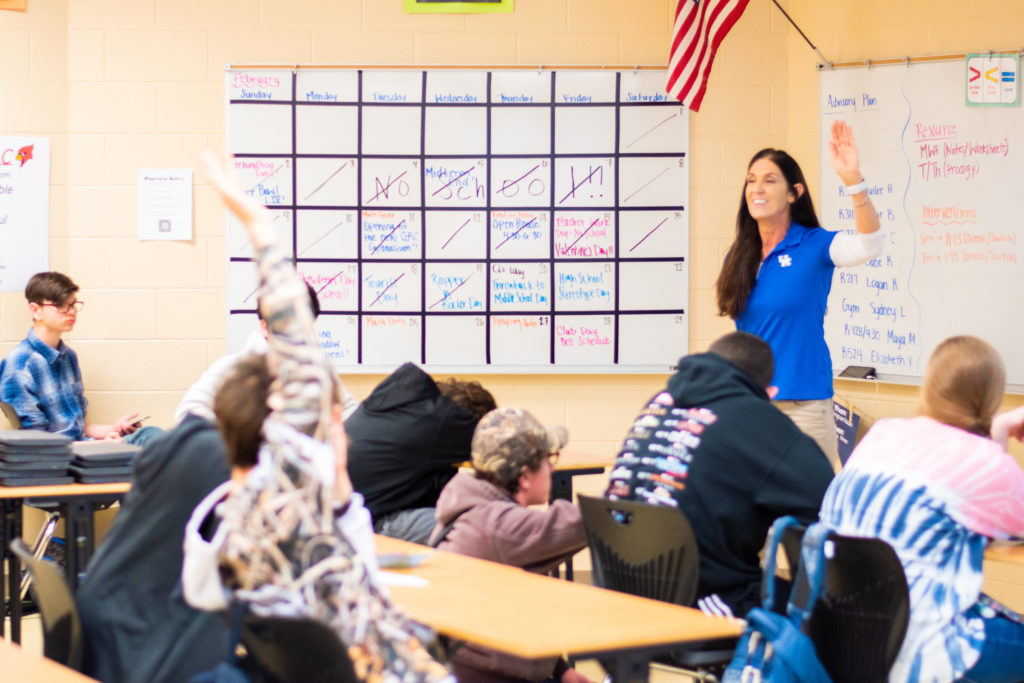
{"x": 165, "y": 203}
{"x": 396, "y": 579}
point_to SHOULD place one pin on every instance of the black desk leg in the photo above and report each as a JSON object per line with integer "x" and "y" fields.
{"x": 15, "y": 579}
{"x": 628, "y": 668}
{"x": 561, "y": 489}
{"x": 5, "y": 558}
{"x": 11, "y": 531}
{"x": 80, "y": 539}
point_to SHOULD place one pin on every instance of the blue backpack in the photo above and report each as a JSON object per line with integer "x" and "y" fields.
{"x": 775, "y": 648}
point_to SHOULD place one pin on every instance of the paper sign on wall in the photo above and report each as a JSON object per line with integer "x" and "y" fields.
{"x": 24, "y": 210}
{"x": 992, "y": 80}
{"x": 165, "y": 203}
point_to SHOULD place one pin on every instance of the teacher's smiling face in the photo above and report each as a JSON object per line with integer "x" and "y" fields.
{"x": 768, "y": 194}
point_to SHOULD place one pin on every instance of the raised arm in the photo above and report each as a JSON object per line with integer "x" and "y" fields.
{"x": 306, "y": 385}
{"x": 846, "y": 162}
{"x": 1008, "y": 424}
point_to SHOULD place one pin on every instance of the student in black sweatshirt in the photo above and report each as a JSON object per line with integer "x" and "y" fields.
{"x": 404, "y": 442}
{"x": 713, "y": 445}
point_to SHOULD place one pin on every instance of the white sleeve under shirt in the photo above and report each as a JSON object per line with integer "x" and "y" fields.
{"x": 854, "y": 249}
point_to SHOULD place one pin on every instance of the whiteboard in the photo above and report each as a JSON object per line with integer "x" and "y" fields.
{"x": 943, "y": 178}
{"x": 471, "y": 220}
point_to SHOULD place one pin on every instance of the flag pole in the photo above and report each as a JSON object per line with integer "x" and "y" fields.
{"x": 824, "y": 62}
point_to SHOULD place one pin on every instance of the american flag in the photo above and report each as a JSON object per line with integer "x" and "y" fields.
{"x": 699, "y": 29}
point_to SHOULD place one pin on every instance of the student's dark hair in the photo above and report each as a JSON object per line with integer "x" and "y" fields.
{"x": 470, "y": 396}
{"x": 739, "y": 271}
{"x": 50, "y": 286}
{"x": 314, "y": 303}
{"x": 749, "y": 353}
{"x": 240, "y": 407}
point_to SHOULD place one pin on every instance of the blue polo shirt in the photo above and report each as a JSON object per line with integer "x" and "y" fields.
{"x": 786, "y": 308}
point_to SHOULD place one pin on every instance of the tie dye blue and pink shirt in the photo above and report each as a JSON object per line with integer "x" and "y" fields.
{"x": 936, "y": 494}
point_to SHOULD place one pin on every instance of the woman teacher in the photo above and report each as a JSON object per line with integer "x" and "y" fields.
{"x": 778, "y": 272}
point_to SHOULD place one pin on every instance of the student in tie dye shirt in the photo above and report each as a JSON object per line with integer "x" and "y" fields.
{"x": 289, "y": 536}
{"x": 937, "y": 487}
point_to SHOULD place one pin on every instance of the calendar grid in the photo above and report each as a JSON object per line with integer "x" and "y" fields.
{"x": 445, "y": 219}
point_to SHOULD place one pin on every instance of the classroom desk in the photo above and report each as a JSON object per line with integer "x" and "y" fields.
{"x": 534, "y": 616}
{"x": 77, "y": 503}
{"x": 1012, "y": 553}
{"x": 19, "y": 665}
{"x": 572, "y": 463}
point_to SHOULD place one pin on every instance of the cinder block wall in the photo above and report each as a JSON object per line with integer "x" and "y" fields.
{"x": 122, "y": 84}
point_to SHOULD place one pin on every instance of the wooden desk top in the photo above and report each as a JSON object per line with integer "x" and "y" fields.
{"x": 571, "y": 459}
{"x": 19, "y": 665}
{"x": 535, "y": 616}
{"x": 1005, "y": 552}
{"x": 63, "y": 490}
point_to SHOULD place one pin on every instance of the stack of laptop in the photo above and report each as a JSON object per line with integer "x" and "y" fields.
{"x": 102, "y": 461}
{"x": 32, "y": 457}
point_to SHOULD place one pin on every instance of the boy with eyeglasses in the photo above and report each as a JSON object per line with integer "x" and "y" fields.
{"x": 486, "y": 513}
{"x": 40, "y": 377}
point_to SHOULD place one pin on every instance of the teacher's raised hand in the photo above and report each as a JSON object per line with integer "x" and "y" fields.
{"x": 843, "y": 152}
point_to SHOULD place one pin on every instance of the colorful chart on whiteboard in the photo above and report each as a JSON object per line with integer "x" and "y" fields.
{"x": 484, "y": 221}
{"x": 941, "y": 175}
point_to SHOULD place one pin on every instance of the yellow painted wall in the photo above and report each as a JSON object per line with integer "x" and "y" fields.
{"x": 123, "y": 84}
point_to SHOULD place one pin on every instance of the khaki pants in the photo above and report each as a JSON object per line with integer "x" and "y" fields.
{"x": 815, "y": 419}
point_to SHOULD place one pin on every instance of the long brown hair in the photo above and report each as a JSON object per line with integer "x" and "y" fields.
{"x": 739, "y": 271}
{"x": 963, "y": 384}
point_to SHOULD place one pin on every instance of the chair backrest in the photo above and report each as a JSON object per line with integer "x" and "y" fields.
{"x": 860, "y": 619}
{"x": 297, "y": 650}
{"x": 641, "y": 549}
{"x": 792, "y": 538}
{"x": 62, "y": 629}
{"x": 790, "y": 544}
{"x": 8, "y": 418}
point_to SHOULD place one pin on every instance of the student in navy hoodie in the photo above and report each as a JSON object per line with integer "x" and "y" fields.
{"x": 713, "y": 445}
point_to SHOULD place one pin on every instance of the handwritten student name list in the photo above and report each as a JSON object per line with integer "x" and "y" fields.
{"x": 941, "y": 227}
{"x": 472, "y": 218}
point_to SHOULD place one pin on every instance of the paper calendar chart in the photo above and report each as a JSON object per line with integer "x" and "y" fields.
{"x": 471, "y": 220}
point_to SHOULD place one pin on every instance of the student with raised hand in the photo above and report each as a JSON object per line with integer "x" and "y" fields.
{"x": 937, "y": 487}
{"x": 288, "y": 535}
{"x": 198, "y": 399}
{"x": 778, "y": 272}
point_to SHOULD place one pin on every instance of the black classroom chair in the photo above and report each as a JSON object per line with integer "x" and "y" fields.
{"x": 650, "y": 551}
{"x": 296, "y": 651}
{"x": 860, "y": 619}
{"x": 62, "y": 629}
